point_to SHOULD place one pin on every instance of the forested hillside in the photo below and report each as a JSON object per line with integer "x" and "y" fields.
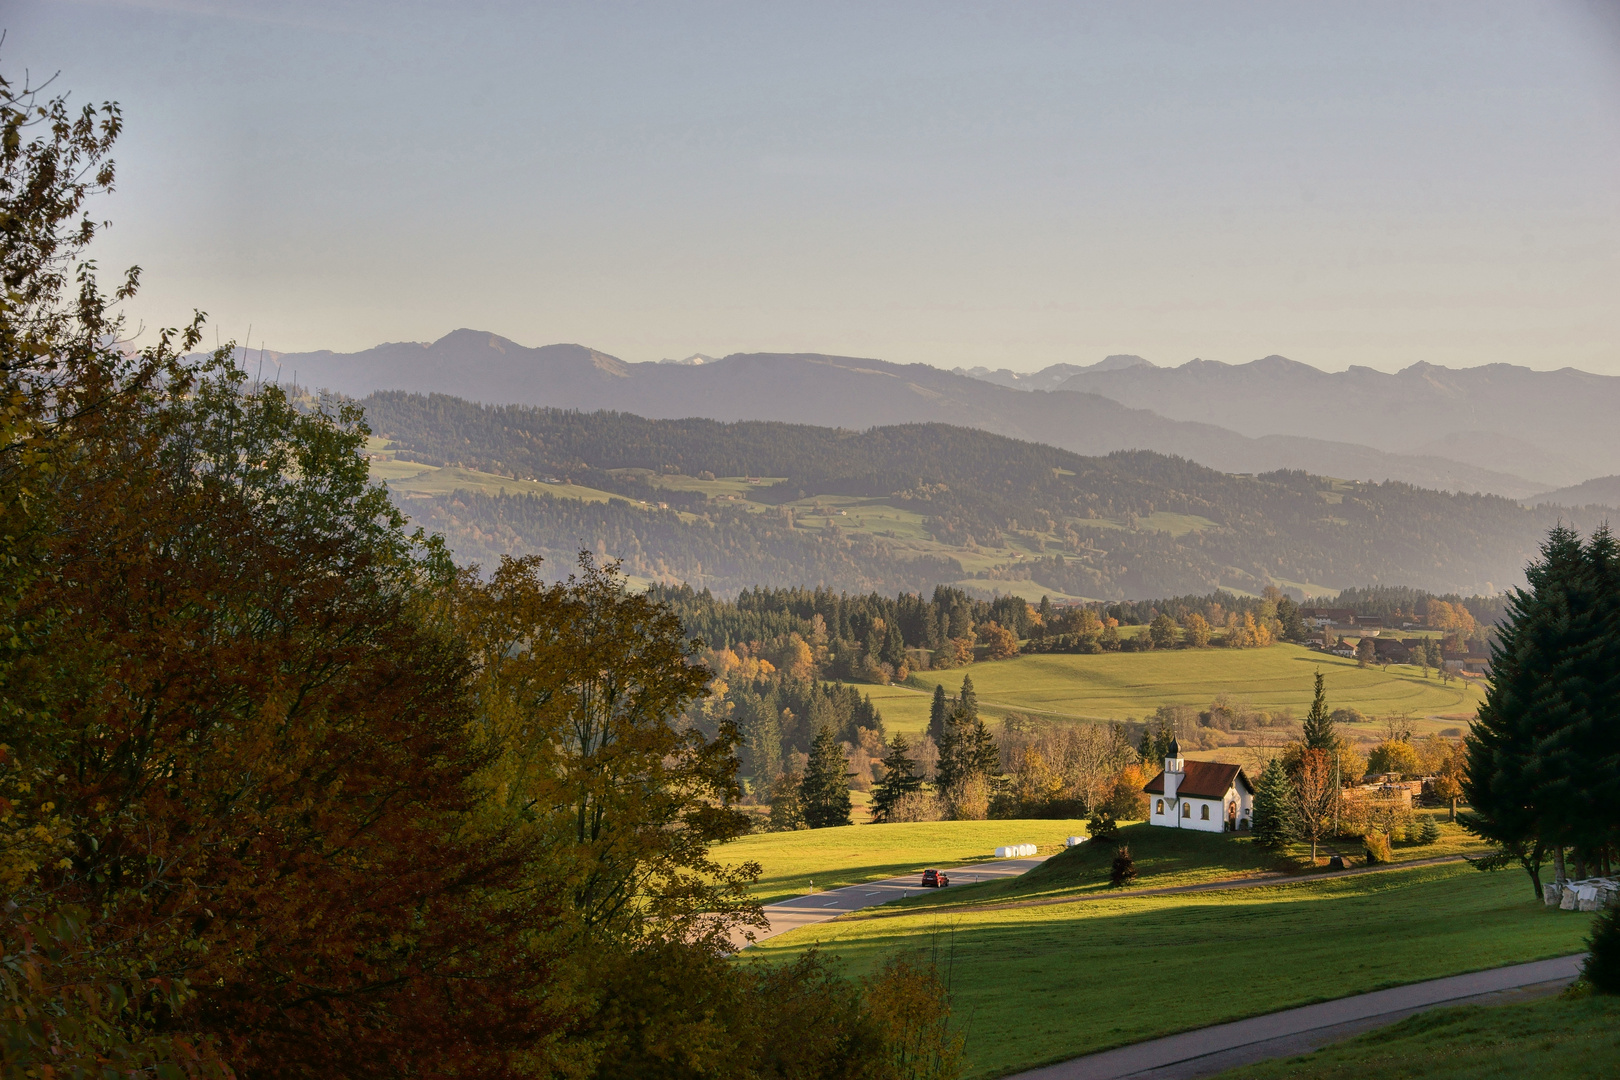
{"x": 906, "y": 507}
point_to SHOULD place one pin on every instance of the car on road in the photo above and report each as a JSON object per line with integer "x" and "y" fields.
{"x": 935, "y": 879}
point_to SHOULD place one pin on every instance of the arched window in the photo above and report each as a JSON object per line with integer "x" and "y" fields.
{"x": 1206, "y": 811}
{"x": 1160, "y": 808}
{"x": 1186, "y": 808}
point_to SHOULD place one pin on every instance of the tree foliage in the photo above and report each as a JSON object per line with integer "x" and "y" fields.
{"x": 282, "y": 792}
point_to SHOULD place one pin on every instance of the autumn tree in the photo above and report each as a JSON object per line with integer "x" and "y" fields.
{"x": 999, "y": 642}
{"x": 1197, "y": 630}
{"x": 1315, "y": 797}
{"x": 1162, "y": 631}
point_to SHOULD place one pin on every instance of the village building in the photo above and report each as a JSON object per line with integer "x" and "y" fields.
{"x": 1207, "y": 796}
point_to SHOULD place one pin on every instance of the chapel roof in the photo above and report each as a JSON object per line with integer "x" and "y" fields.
{"x": 1203, "y": 780}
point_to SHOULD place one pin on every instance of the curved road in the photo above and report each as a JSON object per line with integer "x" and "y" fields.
{"x": 819, "y": 907}
{"x": 1211, "y": 1050}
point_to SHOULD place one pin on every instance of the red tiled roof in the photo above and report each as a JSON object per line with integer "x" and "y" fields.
{"x": 1203, "y": 780}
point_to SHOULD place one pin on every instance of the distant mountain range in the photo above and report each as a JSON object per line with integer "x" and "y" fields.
{"x": 1497, "y": 429}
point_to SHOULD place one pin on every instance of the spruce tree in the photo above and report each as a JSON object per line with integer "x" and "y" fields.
{"x": 1539, "y": 692}
{"x": 1272, "y": 822}
{"x": 899, "y": 779}
{"x": 939, "y": 715}
{"x": 825, "y": 790}
{"x": 967, "y": 702}
{"x": 1319, "y": 733}
{"x": 787, "y": 803}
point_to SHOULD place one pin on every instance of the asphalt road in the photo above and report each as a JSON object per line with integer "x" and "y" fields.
{"x": 821, "y": 906}
{"x": 1211, "y": 1050}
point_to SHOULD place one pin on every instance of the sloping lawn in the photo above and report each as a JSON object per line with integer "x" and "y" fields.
{"x": 850, "y": 855}
{"x": 1040, "y": 984}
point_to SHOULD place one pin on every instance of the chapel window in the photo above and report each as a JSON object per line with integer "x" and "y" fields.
{"x": 1160, "y": 807}
{"x": 1186, "y": 809}
{"x": 1206, "y": 811}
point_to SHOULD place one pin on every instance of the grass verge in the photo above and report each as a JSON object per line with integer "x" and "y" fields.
{"x": 1552, "y": 1039}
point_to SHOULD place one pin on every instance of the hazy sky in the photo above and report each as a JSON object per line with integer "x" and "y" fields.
{"x": 1011, "y": 184}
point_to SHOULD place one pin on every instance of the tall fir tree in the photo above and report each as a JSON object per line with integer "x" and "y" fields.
{"x": 967, "y": 702}
{"x": 825, "y": 790}
{"x": 1272, "y": 798}
{"x": 939, "y": 715}
{"x": 1536, "y": 696}
{"x": 899, "y": 779}
{"x": 1319, "y": 733}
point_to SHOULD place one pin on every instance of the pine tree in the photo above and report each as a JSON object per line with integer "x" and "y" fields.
{"x": 825, "y": 790}
{"x": 1537, "y": 695}
{"x": 1272, "y": 798}
{"x": 787, "y": 803}
{"x": 967, "y": 702}
{"x": 899, "y": 779}
{"x": 1429, "y": 833}
{"x": 1319, "y": 733}
{"x": 939, "y": 715}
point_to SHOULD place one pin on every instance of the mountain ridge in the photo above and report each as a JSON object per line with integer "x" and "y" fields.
{"x": 857, "y": 393}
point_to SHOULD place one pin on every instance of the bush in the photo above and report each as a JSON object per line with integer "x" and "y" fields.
{"x": 1602, "y": 967}
{"x": 917, "y": 806}
{"x": 1102, "y": 828}
{"x": 1123, "y": 872}
{"x": 1377, "y": 845}
{"x": 968, "y": 800}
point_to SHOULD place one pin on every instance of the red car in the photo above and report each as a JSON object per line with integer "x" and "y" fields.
{"x": 933, "y": 879}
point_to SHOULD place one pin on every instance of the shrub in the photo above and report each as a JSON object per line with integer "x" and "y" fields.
{"x": 1430, "y": 831}
{"x": 1102, "y": 827}
{"x": 917, "y": 806}
{"x": 1377, "y": 845}
{"x": 968, "y": 800}
{"x": 911, "y": 1007}
{"x": 1602, "y": 968}
{"x": 1123, "y": 872}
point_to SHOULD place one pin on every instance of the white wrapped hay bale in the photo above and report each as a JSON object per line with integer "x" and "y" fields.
{"x": 1004, "y": 852}
{"x": 1074, "y": 841}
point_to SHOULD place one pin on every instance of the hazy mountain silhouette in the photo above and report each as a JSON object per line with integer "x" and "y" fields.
{"x": 1602, "y": 491}
{"x": 856, "y": 393}
{"x": 1556, "y": 426}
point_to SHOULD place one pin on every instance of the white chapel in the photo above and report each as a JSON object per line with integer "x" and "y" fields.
{"x": 1204, "y": 795}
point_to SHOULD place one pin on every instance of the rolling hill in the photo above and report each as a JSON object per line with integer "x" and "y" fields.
{"x": 859, "y": 393}
{"x": 729, "y": 505}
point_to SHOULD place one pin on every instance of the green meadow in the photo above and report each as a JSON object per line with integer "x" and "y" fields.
{"x": 833, "y": 858}
{"x": 1113, "y": 686}
{"x": 1042, "y": 983}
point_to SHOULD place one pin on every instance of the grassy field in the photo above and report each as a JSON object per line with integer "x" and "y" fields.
{"x": 1040, "y": 984}
{"x": 836, "y": 857}
{"x": 1120, "y": 685}
{"x": 1560, "y": 1038}
{"x": 1171, "y": 857}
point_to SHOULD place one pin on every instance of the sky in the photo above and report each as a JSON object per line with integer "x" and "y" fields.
{"x": 1007, "y": 185}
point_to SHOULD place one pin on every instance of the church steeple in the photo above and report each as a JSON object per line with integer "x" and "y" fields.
{"x": 1173, "y": 768}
